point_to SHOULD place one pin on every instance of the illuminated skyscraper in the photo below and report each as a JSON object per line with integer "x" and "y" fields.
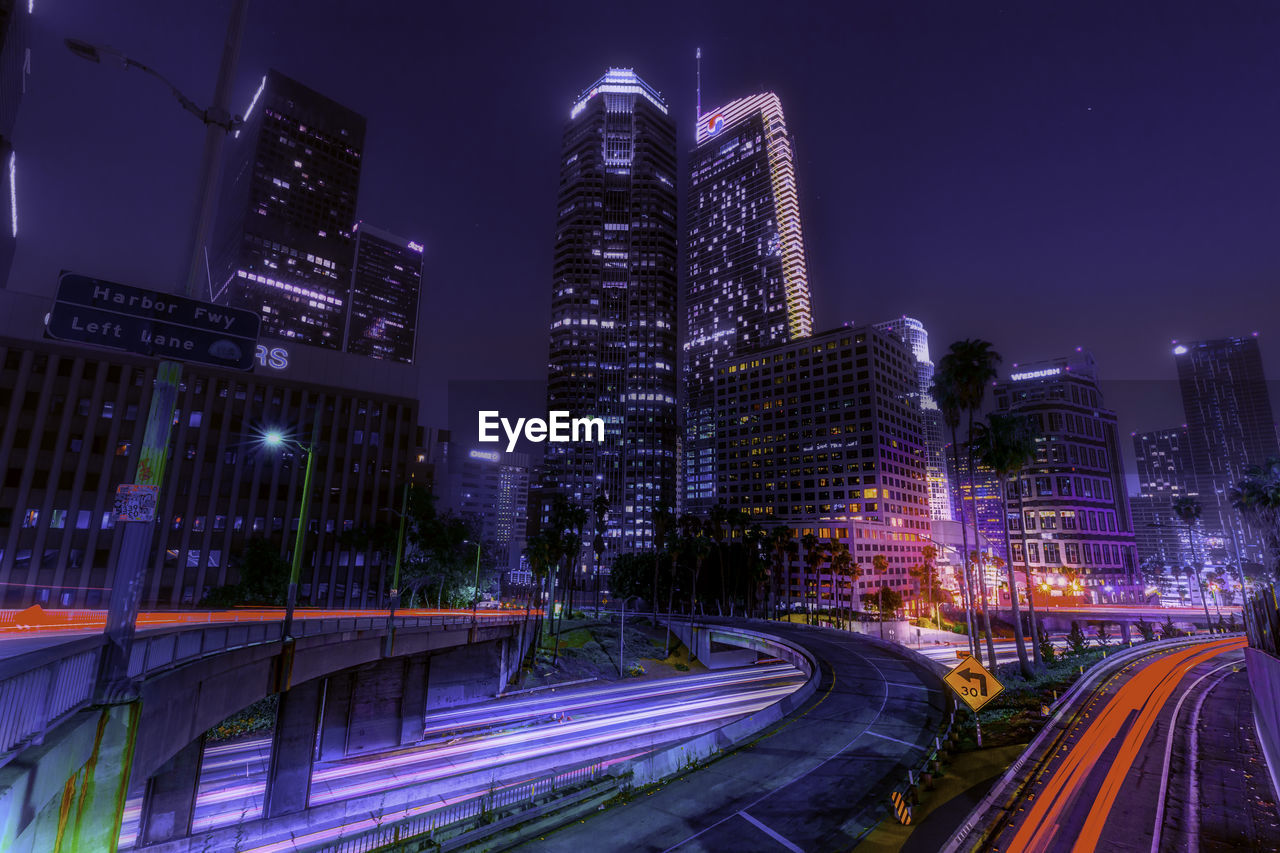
{"x": 284, "y": 241}
{"x": 1230, "y": 426}
{"x": 912, "y": 332}
{"x": 613, "y": 307}
{"x": 748, "y": 286}
{"x": 385, "y": 287}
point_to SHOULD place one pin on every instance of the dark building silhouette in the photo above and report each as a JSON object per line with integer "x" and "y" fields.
{"x": 386, "y": 285}
{"x": 284, "y": 241}
{"x": 613, "y": 308}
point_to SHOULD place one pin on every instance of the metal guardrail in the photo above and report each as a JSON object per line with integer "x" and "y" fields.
{"x": 426, "y": 824}
{"x": 39, "y": 689}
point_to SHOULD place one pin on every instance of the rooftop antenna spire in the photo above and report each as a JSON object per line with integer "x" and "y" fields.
{"x": 699, "y": 72}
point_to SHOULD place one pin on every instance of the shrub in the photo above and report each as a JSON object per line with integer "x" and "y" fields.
{"x": 1047, "y": 652}
{"x": 1076, "y": 639}
{"x": 1146, "y": 629}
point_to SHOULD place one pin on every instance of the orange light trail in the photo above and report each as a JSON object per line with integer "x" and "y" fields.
{"x": 1146, "y": 692}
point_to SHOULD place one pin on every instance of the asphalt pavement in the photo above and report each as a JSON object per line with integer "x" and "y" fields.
{"x": 815, "y": 781}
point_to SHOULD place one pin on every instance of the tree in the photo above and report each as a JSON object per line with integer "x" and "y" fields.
{"x": 972, "y": 368}
{"x": 600, "y": 512}
{"x": 263, "y": 578}
{"x": 814, "y": 555}
{"x": 1188, "y": 510}
{"x": 1076, "y": 639}
{"x": 782, "y": 545}
{"x": 843, "y": 566}
{"x": 537, "y": 551}
{"x": 880, "y": 565}
{"x": 755, "y": 541}
{"x": 1003, "y": 446}
{"x": 946, "y": 393}
{"x": 882, "y": 601}
{"x": 1257, "y": 498}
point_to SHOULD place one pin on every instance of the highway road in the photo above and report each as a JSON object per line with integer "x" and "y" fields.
{"x": 499, "y": 735}
{"x": 817, "y": 780}
{"x": 1133, "y": 772}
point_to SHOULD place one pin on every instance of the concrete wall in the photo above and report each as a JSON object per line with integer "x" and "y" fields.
{"x": 469, "y": 673}
{"x": 1264, "y": 683}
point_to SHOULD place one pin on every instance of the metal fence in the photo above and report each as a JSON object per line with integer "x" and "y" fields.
{"x": 427, "y": 823}
{"x": 40, "y": 695}
{"x": 1262, "y": 621}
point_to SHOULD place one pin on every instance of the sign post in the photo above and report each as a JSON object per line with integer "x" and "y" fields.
{"x": 176, "y": 329}
{"x": 975, "y": 685}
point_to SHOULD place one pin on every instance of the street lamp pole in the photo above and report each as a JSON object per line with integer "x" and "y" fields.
{"x": 276, "y": 439}
{"x": 475, "y": 594}
{"x": 129, "y": 570}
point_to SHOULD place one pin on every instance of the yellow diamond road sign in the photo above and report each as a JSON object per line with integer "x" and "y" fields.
{"x": 973, "y": 683}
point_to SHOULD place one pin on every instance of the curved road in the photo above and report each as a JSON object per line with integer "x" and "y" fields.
{"x": 816, "y": 781}
{"x": 1133, "y": 772}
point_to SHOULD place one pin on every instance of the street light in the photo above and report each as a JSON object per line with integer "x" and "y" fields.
{"x": 275, "y": 439}
{"x": 217, "y": 119}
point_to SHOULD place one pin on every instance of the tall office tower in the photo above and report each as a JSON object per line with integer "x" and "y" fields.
{"x": 386, "y": 282}
{"x": 15, "y": 65}
{"x": 985, "y": 488}
{"x": 1230, "y": 425}
{"x": 913, "y": 333}
{"x": 284, "y": 242}
{"x": 1165, "y": 473}
{"x": 748, "y": 287}
{"x": 613, "y": 308}
{"x": 492, "y": 488}
{"x": 823, "y": 432}
{"x": 1075, "y": 508}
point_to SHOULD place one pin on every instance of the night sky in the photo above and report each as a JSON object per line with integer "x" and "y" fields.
{"x": 1042, "y": 175}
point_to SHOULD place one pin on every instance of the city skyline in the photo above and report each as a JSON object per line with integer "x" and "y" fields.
{"x": 1112, "y": 262}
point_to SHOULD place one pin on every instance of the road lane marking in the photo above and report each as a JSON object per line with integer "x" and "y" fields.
{"x": 894, "y": 739}
{"x": 769, "y": 832}
{"x": 1168, "y": 755}
{"x": 908, "y": 686}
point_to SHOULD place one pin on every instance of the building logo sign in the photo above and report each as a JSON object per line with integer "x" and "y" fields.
{"x": 1035, "y": 374}
{"x": 715, "y": 122}
{"x": 486, "y": 455}
{"x": 276, "y": 358}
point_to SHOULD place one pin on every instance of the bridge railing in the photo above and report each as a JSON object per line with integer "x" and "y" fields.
{"x": 41, "y": 688}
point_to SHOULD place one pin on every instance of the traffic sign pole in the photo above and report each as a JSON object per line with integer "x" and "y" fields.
{"x": 129, "y": 573}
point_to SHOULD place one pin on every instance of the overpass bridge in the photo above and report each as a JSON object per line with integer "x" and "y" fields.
{"x": 347, "y": 680}
{"x": 1058, "y": 619}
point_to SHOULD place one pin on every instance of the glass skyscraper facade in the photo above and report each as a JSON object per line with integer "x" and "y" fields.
{"x": 386, "y": 284}
{"x": 1165, "y": 473}
{"x": 1230, "y": 426}
{"x": 913, "y": 333}
{"x": 284, "y": 242}
{"x": 748, "y": 284}
{"x": 613, "y": 307}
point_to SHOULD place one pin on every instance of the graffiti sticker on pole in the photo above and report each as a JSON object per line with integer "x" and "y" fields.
{"x": 973, "y": 683}
{"x": 136, "y": 502}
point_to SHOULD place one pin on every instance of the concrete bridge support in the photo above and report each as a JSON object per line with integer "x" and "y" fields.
{"x": 293, "y": 746}
{"x": 377, "y": 706}
{"x": 68, "y": 794}
{"x": 169, "y": 799}
{"x": 470, "y": 673}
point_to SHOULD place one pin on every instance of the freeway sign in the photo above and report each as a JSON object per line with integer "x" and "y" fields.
{"x": 973, "y": 683}
{"x": 93, "y": 311}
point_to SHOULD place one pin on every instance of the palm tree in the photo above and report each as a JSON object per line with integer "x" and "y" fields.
{"x": 842, "y": 565}
{"x": 1188, "y": 511}
{"x": 754, "y": 541}
{"x": 600, "y": 510}
{"x": 717, "y": 516}
{"x": 974, "y": 367}
{"x": 1257, "y": 498}
{"x": 537, "y": 552}
{"x": 782, "y": 545}
{"x": 663, "y": 521}
{"x": 1005, "y": 448}
{"x": 814, "y": 554}
{"x": 946, "y": 393}
{"x": 880, "y": 565}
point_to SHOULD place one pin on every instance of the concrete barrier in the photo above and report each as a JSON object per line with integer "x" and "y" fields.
{"x": 1264, "y": 683}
